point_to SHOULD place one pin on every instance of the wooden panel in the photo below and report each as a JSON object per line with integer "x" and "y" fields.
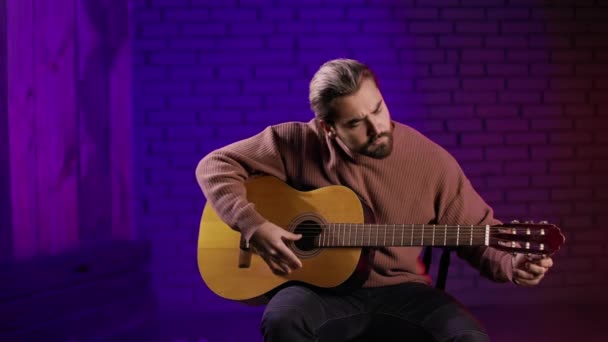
{"x": 43, "y": 295}
{"x": 121, "y": 118}
{"x": 6, "y": 249}
{"x": 56, "y": 124}
{"x": 94, "y": 62}
{"x": 22, "y": 127}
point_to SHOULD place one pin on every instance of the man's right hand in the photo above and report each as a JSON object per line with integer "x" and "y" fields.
{"x": 269, "y": 243}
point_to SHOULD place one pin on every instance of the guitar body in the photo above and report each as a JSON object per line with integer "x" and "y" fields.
{"x": 219, "y": 245}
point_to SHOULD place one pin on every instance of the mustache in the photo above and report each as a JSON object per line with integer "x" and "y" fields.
{"x": 383, "y": 134}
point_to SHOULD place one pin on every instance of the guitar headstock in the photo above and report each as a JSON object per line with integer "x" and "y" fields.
{"x": 540, "y": 238}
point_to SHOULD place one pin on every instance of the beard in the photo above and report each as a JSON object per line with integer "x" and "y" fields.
{"x": 380, "y": 150}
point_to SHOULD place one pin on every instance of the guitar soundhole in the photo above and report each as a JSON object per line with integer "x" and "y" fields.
{"x": 310, "y": 230}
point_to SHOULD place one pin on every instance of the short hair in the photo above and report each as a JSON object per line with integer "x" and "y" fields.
{"x": 334, "y": 79}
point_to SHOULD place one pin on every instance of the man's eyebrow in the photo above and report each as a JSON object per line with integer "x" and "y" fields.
{"x": 378, "y": 106}
{"x": 362, "y": 116}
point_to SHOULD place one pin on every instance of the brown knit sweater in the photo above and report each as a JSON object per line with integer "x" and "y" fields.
{"x": 418, "y": 183}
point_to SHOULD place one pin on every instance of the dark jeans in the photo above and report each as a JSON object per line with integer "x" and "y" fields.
{"x": 405, "y": 312}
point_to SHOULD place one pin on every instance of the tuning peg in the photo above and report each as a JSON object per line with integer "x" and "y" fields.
{"x": 529, "y": 222}
{"x": 514, "y": 222}
{"x": 543, "y": 222}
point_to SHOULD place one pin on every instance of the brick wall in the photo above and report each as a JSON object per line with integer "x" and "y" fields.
{"x": 516, "y": 90}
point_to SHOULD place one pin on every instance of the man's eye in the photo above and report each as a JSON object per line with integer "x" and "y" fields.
{"x": 353, "y": 124}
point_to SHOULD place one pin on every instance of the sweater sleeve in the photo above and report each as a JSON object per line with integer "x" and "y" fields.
{"x": 463, "y": 205}
{"x": 222, "y": 173}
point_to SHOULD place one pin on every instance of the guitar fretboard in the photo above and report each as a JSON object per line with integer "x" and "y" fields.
{"x": 360, "y": 235}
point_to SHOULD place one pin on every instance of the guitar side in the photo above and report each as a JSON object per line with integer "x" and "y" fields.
{"x": 218, "y": 244}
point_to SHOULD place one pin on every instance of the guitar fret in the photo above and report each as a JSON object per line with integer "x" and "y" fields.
{"x": 471, "y": 235}
{"x": 433, "y": 240}
{"x": 422, "y": 236}
{"x": 384, "y": 243}
{"x": 349, "y": 229}
{"x": 393, "y": 234}
{"x": 457, "y": 235}
{"x": 351, "y": 226}
{"x": 412, "y": 238}
{"x": 445, "y": 235}
{"x": 402, "y": 231}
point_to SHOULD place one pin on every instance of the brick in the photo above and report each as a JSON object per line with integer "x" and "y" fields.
{"x": 239, "y": 43}
{"x": 471, "y": 69}
{"x": 321, "y": 14}
{"x": 507, "y": 69}
{"x": 438, "y": 3}
{"x": 553, "y": 13}
{"x": 294, "y": 28}
{"x": 218, "y": 88}
{"x": 527, "y": 83}
{"x": 476, "y": 27}
{"x": 486, "y": 55}
{"x": 507, "y": 125}
{"x": 468, "y": 125}
{"x": 508, "y": 13}
{"x": 485, "y": 83}
{"x": 570, "y": 138}
{"x": 368, "y": 13}
{"x": 552, "y": 69}
{"x": 564, "y": 97}
{"x": 511, "y": 41}
{"x": 571, "y": 83}
{"x": 185, "y": 15}
{"x": 526, "y": 139}
{"x": 192, "y": 44}
{"x": 173, "y": 58}
{"x": 277, "y": 14}
{"x": 527, "y": 55}
{"x": 459, "y": 41}
{"x": 570, "y": 194}
{"x": 497, "y": 111}
{"x": 479, "y": 97}
{"x": 156, "y": 30}
{"x": 553, "y": 153}
{"x": 422, "y": 56}
{"x": 204, "y": 29}
{"x": 526, "y": 168}
{"x": 243, "y": 101}
{"x": 591, "y": 13}
{"x": 474, "y": 168}
{"x": 587, "y": 249}
{"x": 180, "y": 72}
{"x": 578, "y": 55}
{"x": 234, "y": 72}
{"x": 597, "y": 97}
{"x": 207, "y": 116}
{"x": 443, "y": 139}
{"x": 150, "y": 73}
{"x": 260, "y": 87}
{"x": 527, "y": 195}
{"x": 508, "y": 182}
{"x": 171, "y": 148}
{"x": 144, "y": 45}
{"x": 256, "y": 29}
{"x": 591, "y": 69}
{"x": 592, "y": 151}
{"x": 462, "y": 13}
{"x": 168, "y": 3}
{"x": 551, "y": 181}
{"x": 145, "y": 16}
{"x": 566, "y": 166}
{"x": 234, "y": 14}
{"x": 195, "y": 102}
{"x": 552, "y": 124}
{"x": 167, "y": 88}
{"x": 526, "y": 27}
{"x": 172, "y": 117}
{"x": 576, "y": 110}
{"x": 467, "y": 153}
{"x": 423, "y": 27}
{"x": 543, "y": 210}
{"x": 190, "y": 132}
{"x": 591, "y": 124}
{"x": 550, "y": 41}
{"x": 519, "y": 97}
{"x": 451, "y": 111}
{"x": 506, "y": 153}
{"x": 436, "y": 83}
{"x": 600, "y": 165}
{"x": 338, "y": 28}
{"x": 280, "y": 42}
{"x": 411, "y": 13}
{"x": 483, "y": 139}
{"x": 542, "y": 110}
{"x": 384, "y": 27}
{"x": 447, "y": 70}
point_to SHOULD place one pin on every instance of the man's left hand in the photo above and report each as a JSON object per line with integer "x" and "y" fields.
{"x": 528, "y": 271}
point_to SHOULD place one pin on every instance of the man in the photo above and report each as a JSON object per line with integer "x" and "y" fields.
{"x": 400, "y": 177}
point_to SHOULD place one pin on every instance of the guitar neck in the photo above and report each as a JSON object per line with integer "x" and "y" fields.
{"x": 404, "y": 235}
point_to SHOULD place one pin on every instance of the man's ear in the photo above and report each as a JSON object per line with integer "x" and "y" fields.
{"x": 328, "y": 128}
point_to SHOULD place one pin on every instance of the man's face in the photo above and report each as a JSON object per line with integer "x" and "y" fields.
{"x": 363, "y": 122}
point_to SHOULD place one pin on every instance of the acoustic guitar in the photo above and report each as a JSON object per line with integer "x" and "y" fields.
{"x": 330, "y": 220}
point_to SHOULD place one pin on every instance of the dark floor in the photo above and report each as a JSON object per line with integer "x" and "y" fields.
{"x": 538, "y": 324}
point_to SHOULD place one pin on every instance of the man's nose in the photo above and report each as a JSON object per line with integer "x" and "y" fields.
{"x": 373, "y": 127}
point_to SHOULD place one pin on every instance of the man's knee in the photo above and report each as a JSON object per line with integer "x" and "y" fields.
{"x": 286, "y": 321}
